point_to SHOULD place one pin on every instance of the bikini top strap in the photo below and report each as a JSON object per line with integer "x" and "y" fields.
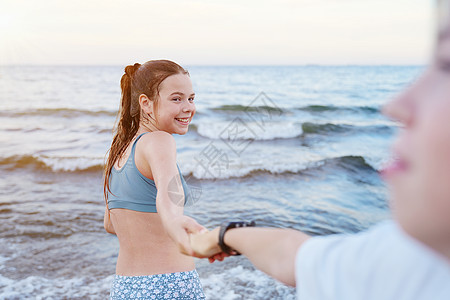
{"x": 133, "y": 147}
{"x": 134, "y": 143}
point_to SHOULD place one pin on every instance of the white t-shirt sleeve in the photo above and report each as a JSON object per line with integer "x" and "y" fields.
{"x": 382, "y": 263}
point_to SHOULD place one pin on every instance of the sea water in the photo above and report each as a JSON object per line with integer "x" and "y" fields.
{"x": 287, "y": 146}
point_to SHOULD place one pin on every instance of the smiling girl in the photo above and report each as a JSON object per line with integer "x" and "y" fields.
{"x": 143, "y": 186}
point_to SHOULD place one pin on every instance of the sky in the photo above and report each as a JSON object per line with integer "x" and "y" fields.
{"x": 216, "y": 32}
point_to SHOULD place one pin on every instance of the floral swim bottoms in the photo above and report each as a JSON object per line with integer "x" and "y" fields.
{"x": 179, "y": 285}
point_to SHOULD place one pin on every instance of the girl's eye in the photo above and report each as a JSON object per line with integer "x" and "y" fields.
{"x": 176, "y": 99}
{"x": 191, "y": 99}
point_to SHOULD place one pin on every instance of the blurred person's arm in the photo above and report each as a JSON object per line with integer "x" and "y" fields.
{"x": 272, "y": 250}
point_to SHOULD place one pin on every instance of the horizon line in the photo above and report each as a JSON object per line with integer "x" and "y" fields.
{"x": 230, "y": 65}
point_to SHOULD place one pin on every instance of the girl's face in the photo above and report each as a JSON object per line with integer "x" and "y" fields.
{"x": 176, "y": 104}
{"x": 419, "y": 177}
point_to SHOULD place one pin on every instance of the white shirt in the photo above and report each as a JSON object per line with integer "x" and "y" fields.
{"x": 382, "y": 263}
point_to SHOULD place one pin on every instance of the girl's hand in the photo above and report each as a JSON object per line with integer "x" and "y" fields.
{"x": 179, "y": 230}
{"x": 205, "y": 245}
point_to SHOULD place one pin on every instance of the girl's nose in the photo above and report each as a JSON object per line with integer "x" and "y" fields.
{"x": 403, "y": 107}
{"x": 188, "y": 106}
{"x": 400, "y": 109}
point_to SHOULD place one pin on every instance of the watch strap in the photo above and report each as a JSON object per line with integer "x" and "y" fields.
{"x": 224, "y": 228}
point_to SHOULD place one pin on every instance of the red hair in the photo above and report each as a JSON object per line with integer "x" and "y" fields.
{"x": 137, "y": 80}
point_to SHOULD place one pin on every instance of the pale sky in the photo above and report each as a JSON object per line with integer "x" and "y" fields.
{"x": 216, "y": 32}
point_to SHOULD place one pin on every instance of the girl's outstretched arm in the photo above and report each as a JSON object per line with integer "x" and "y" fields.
{"x": 272, "y": 250}
{"x": 160, "y": 153}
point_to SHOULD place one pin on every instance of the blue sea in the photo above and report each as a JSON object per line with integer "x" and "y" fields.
{"x": 287, "y": 146}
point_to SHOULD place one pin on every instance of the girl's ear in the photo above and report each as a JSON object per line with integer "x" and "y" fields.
{"x": 146, "y": 104}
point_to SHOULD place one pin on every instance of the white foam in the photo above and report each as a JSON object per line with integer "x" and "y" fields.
{"x": 377, "y": 162}
{"x": 242, "y": 283}
{"x": 240, "y": 167}
{"x": 71, "y": 163}
{"x": 243, "y": 130}
{"x": 2, "y": 260}
{"x": 234, "y": 283}
{"x": 34, "y": 287}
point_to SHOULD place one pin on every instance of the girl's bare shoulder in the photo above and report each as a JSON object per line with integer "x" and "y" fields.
{"x": 158, "y": 142}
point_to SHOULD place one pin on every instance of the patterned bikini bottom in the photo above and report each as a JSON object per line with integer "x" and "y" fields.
{"x": 179, "y": 285}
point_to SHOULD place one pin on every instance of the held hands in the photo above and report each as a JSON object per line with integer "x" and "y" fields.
{"x": 205, "y": 245}
{"x": 211, "y": 244}
{"x": 179, "y": 230}
{"x": 195, "y": 240}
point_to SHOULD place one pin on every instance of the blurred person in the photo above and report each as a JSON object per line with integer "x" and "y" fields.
{"x": 404, "y": 258}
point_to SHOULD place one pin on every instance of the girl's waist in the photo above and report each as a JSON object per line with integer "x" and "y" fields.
{"x": 152, "y": 260}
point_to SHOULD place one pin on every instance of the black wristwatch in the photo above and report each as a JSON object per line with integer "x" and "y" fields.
{"x": 229, "y": 225}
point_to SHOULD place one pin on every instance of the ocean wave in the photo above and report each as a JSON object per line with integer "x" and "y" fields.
{"x": 348, "y": 163}
{"x": 238, "y": 130}
{"x": 244, "y": 108}
{"x": 83, "y": 165}
{"x": 57, "y": 112}
{"x": 52, "y": 164}
{"x": 353, "y": 163}
{"x": 332, "y": 108}
{"x": 314, "y": 128}
{"x": 308, "y": 108}
{"x": 318, "y": 128}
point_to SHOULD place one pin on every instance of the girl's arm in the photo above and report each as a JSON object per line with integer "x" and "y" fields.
{"x": 160, "y": 153}
{"x": 272, "y": 250}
